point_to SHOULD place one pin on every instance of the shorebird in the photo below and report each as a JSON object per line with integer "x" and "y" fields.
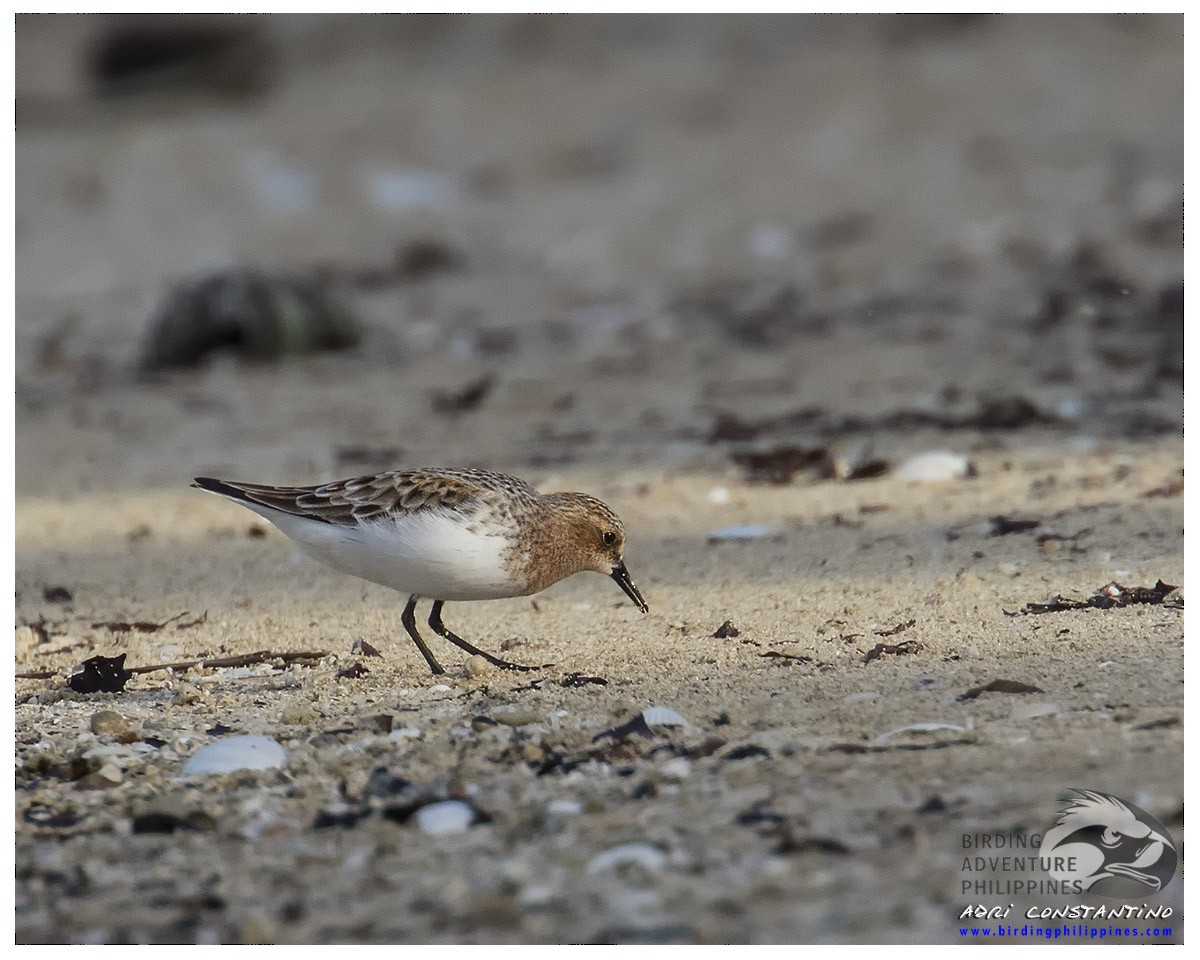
{"x": 445, "y": 534}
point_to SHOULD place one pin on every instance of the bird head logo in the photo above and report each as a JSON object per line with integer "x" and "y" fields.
{"x": 1109, "y": 847}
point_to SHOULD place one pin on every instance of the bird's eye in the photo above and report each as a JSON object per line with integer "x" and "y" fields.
{"x": 609, "y": 538}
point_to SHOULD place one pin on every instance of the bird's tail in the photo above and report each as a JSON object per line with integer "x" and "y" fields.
{"x": 222, "y": 488}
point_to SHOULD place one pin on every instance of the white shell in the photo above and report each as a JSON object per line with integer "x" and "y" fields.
{"x": 565, "y": 807}
{"x": 936, "y": 466}
{"x": 644, "y": 855}
{"x": 236, "y": 753}
{"x": 663, "y": 717}
{"x": 448, "y": 816}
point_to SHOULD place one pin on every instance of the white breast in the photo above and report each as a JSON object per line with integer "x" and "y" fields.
{"x": 431, "y": 554}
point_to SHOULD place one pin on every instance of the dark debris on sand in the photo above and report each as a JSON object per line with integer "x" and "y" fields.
{"x": 1108, "y": 597}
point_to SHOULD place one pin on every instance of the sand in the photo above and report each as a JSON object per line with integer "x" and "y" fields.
{"x": 641, "y": 170}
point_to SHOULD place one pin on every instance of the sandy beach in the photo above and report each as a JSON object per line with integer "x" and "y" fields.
{"x": 709, "y": 271}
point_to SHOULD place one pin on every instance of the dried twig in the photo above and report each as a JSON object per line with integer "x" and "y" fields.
{"x": 241, "y": 660}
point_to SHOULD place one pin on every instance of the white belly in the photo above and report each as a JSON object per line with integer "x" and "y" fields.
{"x": 429, "y": 554}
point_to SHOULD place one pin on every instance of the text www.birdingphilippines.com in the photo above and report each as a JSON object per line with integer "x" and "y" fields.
{"x": 1079, "y": 931}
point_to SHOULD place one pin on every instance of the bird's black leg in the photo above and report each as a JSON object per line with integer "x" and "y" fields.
{"x": 410, "y": 624}
{"x": 435, "y": 621}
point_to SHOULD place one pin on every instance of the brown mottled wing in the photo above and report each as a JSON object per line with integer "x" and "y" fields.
{"x": 370, "y": 497}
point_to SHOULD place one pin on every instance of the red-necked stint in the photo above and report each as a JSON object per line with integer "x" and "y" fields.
{"x": 445, "y": 534}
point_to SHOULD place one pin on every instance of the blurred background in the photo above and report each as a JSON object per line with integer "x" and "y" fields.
{"x": 704, "y": 267}
{"x": 294, "y": 247}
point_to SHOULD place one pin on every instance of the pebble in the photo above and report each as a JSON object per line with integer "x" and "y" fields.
{"x": 677, "y": 768}
{"x": 718, "y": 496}
{"x": 476, "y": 665}
{"x": 448, "y": 816}
{"x": 645, "y": 855}
{"x": 936, "y": 466}
{"x": 109, "y": 775}
{"x": 663, "y": 717}
{"x": 108, "y": 722}
{"x": 244, "y": 752}
{"x": 297, "y": 714}
{"x": 186, "y": 693}
{"x": 517, "y": 717}
{"x": 565, "y": 807}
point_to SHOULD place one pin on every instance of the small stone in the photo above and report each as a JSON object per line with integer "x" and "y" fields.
{"x": 677, "y": 768}
{"x": 379, "y": 722}
{"x": 244, "y": 752}
{"x": 937, "y": 466}
{"x": 108, "y": 722}
{"x": 297, "y": 715}
{"x": 475, "y": 666}
{"x": 186, "y": 693}
{"x": 663, "y": 717}
{"x": 109, "y": 775}
{"x": 565, "y": 807}
{"x": 517, "y": 717}
{"x": 718, "y": 496}
{"x": 448, "y": 816}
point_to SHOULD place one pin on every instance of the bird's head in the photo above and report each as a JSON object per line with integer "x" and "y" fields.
{"x": 593, "y": 538}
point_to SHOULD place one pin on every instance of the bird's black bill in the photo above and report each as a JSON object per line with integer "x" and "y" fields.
{"x": 625, "y": 582}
